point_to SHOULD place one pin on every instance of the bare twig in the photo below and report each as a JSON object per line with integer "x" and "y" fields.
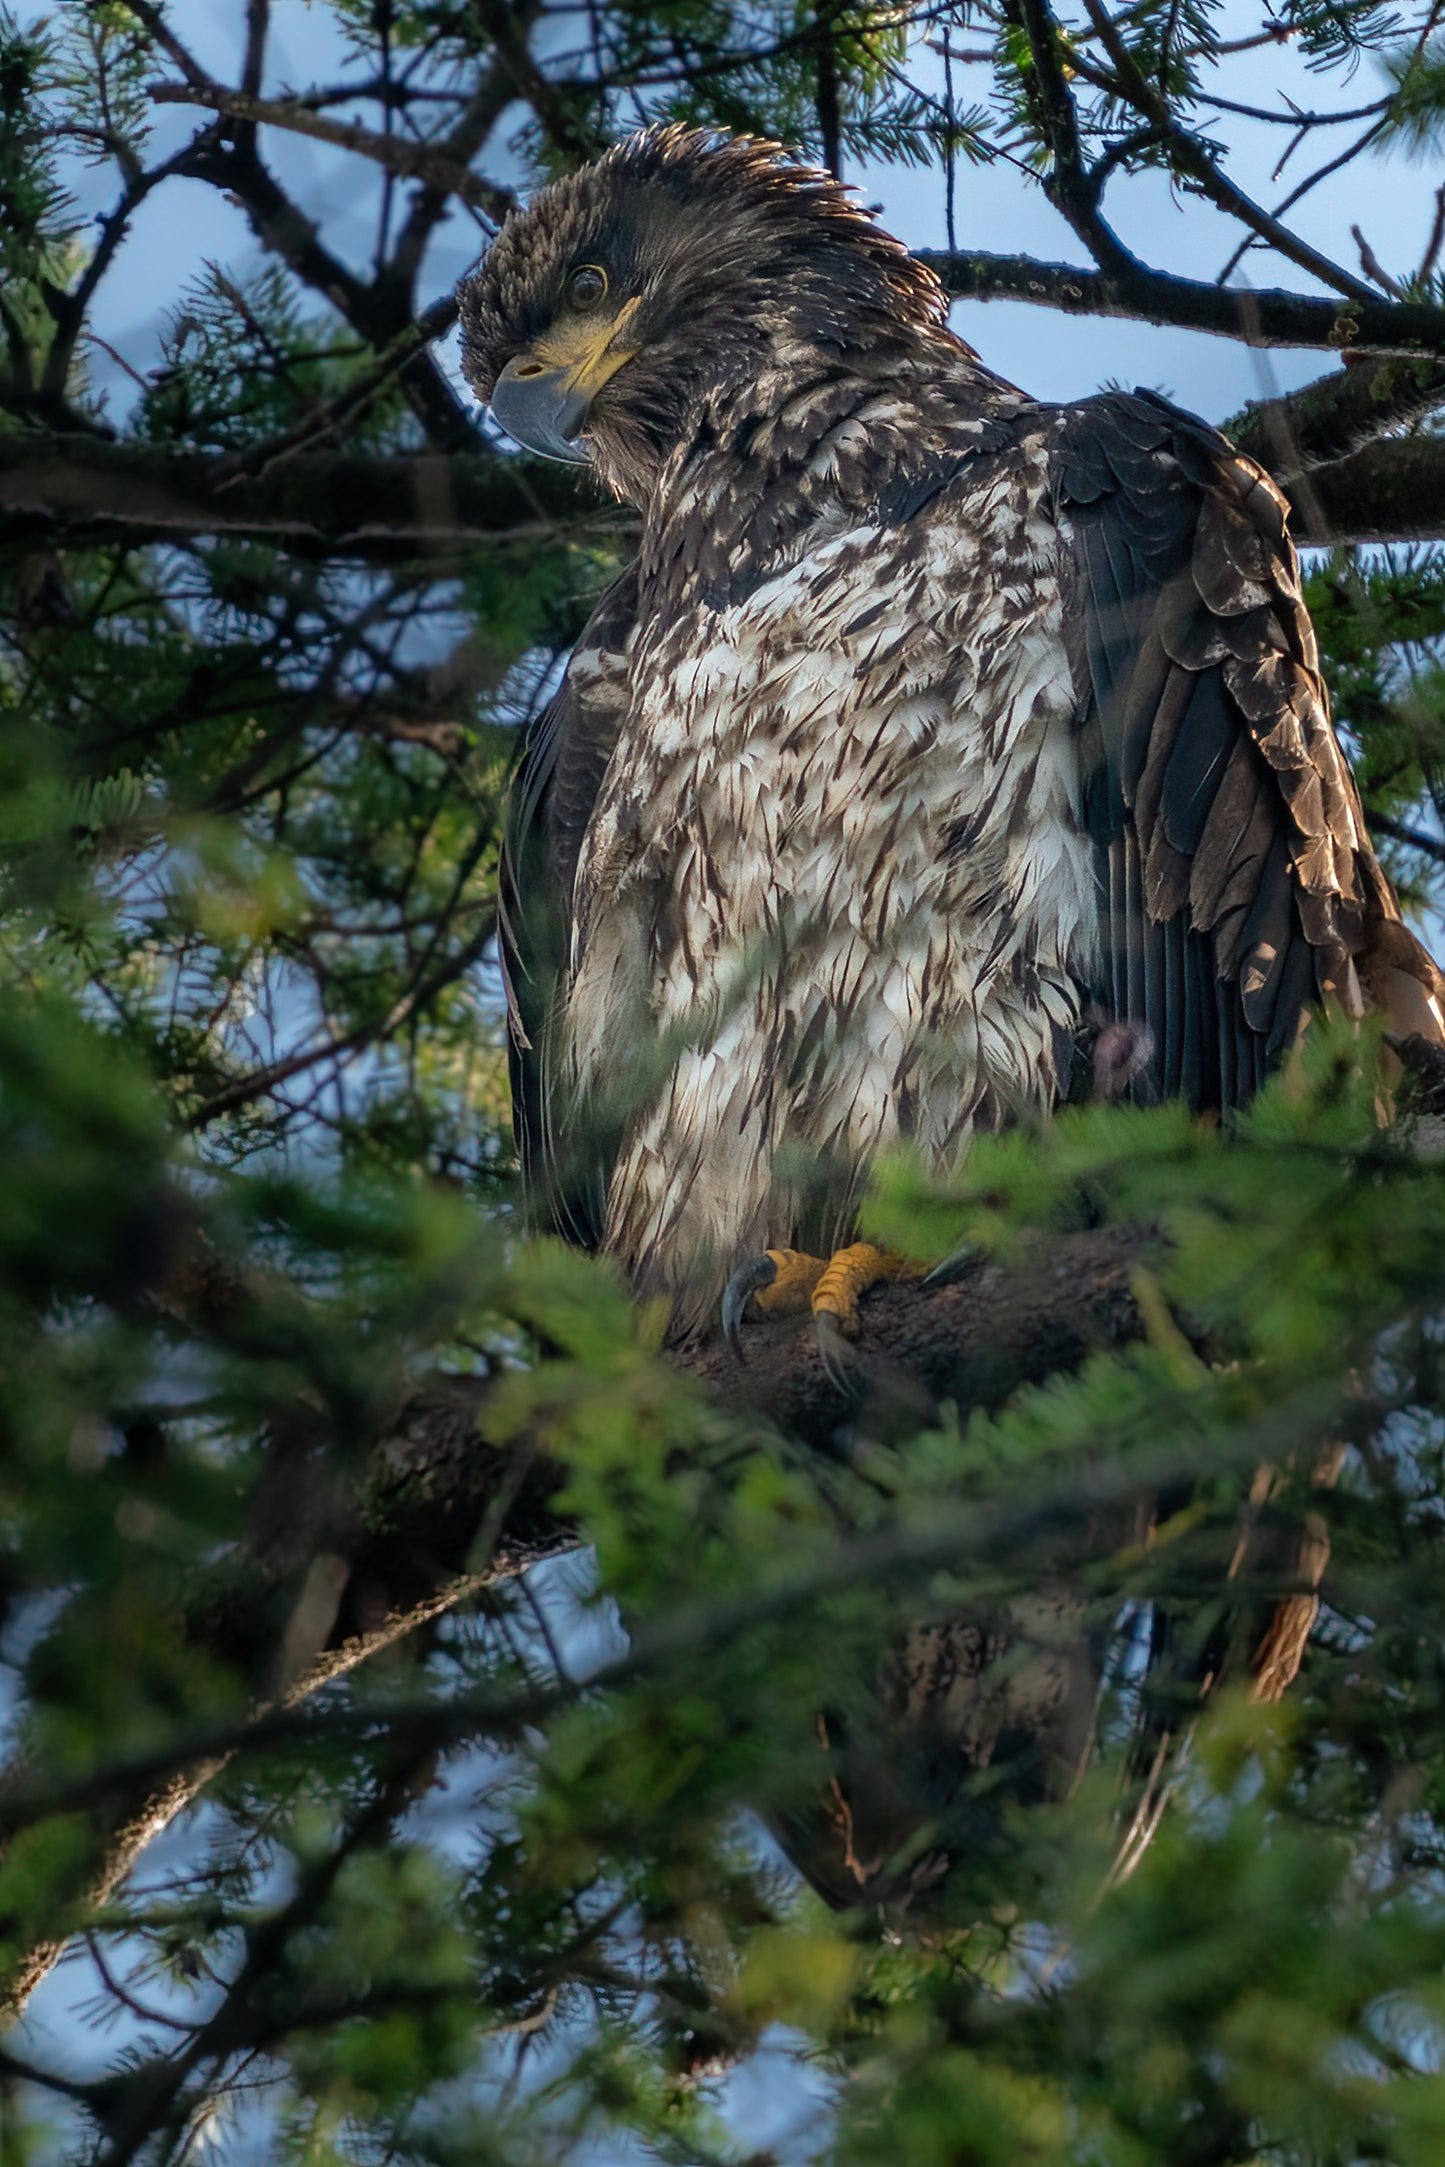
{"x": 1191, "y": 159}
{"x": 378, "y": 311}
{"x": 1072, "y": 188}
{"x": 155, "y": 22}
{"x": 176, "y": 1786}
{"x": 1405, "y": 831}
{"x": 1437, "y": 234}
{"x": 1303, "y": 188}
{"x": 1372, "y": 267}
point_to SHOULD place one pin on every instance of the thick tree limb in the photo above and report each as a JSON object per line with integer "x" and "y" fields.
{"x": 974, "y": 1340}
{"x": 1337, "y": 414}
{"x": 439, "y": 1514}
{"x": 328, "y": 504}
{"x": 1387, "y": 492}
{"x": 433, "y": 1490}
{"x": 1272, "y": 317}
{"x": 379, "y": 510}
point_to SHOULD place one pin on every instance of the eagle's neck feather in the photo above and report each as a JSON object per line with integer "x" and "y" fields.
{"x": 814, "y": 432}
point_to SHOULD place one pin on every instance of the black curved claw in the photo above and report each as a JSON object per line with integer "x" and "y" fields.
{"x": 956, "y": 1265}
{"x": 746, "y": 1281}
{"x": 837, "y": 1357}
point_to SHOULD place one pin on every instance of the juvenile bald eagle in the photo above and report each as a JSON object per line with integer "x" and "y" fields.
{"x": 932, "y": 727}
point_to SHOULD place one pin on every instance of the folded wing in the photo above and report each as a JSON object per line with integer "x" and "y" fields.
{"x": 1237, "y": 887}
{"x": 552, "y": 796}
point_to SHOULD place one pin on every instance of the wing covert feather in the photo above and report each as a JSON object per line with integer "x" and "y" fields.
{"x": 1237, "y": 887}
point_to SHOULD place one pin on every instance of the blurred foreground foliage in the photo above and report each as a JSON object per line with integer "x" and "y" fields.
{"x": 467, "y": 1906}
{"x": 512, "y": 1891}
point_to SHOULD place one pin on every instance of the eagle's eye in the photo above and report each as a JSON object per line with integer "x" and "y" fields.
{"x": 586, "y": 286}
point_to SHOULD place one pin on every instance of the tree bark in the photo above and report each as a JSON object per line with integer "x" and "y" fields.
{"x": 1337, "y": 414}
{"x": 82, "y": 490}
{"x": 973, "y": 1340}
{"x": 1392, "y": 491}
{"x": 1271, "y": 317}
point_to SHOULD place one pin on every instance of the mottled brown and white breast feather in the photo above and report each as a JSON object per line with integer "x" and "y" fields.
{"x": 837, "y": 861}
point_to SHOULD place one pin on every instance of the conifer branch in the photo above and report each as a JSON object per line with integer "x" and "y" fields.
{"x": 380, "y": 510}
{"x": 378, "y": 311}
{"x": 432, "y": 1496}
{"x": 1337, "y": 414}
{"x": 1270, "y": 317}
{"x": 1391, "y": 491}
{"x": 323, "y": 504}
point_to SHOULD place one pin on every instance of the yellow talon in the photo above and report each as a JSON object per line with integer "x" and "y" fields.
{"x": 847, "y": 1277}
{"x": 798, "y": 1275}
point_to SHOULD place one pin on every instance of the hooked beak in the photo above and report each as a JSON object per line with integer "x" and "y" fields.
{"x": 542, "y": 408}
{"x": 543, "y": 396}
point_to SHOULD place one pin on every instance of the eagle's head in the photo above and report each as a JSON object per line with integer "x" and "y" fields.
{"x": 680, "y": 265}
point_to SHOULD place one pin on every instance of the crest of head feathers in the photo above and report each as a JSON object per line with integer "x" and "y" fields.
{"x": 678, "y": 264}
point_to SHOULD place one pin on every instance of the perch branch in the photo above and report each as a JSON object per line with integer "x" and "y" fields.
{"x": 439, "y": 1514}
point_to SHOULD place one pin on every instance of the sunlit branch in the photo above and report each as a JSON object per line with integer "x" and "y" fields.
{"x": 378, "y": 311}
{"x": 1191, "y": 158}
{"x": 982, "y": 1528}
{"x": 1271, "y": 317}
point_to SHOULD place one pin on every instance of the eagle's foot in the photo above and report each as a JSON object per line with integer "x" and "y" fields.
{"x": 782, "y": 1280}
{"x": 778, "y": 1281}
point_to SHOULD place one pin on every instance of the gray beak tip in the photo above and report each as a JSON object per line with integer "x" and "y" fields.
{"x": 542, "y": 411}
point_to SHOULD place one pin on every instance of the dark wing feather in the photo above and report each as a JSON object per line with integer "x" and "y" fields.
{"x": 1237, "y": 888}
{"x": 553, "y": 792}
